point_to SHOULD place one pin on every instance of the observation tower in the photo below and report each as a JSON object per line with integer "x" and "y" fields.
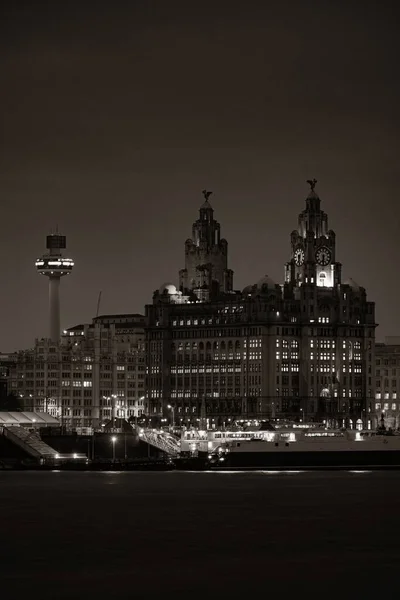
{"x": 54, "y": 266}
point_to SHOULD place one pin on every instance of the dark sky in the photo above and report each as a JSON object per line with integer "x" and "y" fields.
{"x": 115, "y": 115}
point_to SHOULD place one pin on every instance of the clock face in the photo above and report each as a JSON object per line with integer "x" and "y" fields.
{"x": 299, "y": 257}
{"x": 323, "y": 256}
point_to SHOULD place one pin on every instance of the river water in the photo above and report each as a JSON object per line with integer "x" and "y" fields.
{"x": 209, "y": 535}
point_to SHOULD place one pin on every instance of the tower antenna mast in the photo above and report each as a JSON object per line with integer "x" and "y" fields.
{"x": 54, "y": 265}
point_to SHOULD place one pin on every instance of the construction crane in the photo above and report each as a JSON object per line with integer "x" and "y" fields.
{"x": 98, "y": 304}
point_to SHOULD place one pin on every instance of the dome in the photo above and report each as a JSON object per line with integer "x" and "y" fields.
{"x": 168, "y": 288}
{"x": 352, "y": 284}
{"x": 266, "y": 280}
{"x": 248, "y": 289}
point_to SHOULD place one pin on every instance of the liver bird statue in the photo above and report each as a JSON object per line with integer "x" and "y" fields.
{"x": 312, "y": 183}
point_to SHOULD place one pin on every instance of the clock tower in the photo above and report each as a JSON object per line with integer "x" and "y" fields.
{"x": 313, "y": 259}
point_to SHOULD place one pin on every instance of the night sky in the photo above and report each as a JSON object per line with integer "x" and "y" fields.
{"x": 115, "y": 115}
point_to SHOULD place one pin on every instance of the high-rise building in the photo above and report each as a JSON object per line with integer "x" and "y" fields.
{"x": 96, "y": 372}
{"x": 387, "y": 384}
{"x": 302, "y": 349}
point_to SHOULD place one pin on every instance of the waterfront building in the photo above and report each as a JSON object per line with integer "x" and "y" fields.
{"x": 96, "y": 373}
{"x": 6, "y": 360}
{"x": 387, "y": 384}
{"x": 302, "y": 349}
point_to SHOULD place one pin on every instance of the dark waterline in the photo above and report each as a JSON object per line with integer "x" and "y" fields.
{"x": 139, "y": 535}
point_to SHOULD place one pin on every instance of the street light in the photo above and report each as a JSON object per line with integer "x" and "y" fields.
{"x": 113, "y": 440}
{"x": 172, "y": 409}
{"x": 113, "y": 397}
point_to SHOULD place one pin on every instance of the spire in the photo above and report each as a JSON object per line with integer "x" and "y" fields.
{"x": 312, "y": 195}
{"x": 206, "y": 270}
{"x": 313, "y": 219}
{"x": 206, "y": 205}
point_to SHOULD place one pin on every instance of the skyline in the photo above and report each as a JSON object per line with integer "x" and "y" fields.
{"x": 115, "y": 121}
{"x": 174, "y": 279}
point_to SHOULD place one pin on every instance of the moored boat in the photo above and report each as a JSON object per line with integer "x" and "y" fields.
{"x": 309, "y": 449}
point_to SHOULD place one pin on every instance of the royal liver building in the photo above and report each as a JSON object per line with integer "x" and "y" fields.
{"x": 302, "y": 349}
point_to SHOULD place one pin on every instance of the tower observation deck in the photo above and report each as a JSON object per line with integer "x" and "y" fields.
{"x": 54, "y": 265}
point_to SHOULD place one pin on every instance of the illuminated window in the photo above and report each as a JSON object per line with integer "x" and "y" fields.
{"x": 377, "y": 406}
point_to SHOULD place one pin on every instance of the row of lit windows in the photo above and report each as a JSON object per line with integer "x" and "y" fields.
{"x": 324, "y": 344}
{"x": 200, "y": 357}
{"x": 67, "y": 383}
{"x": 286, "y": 343}
{"x": 253, "y": 343}
{"x": 208, "y": 369}
{"x": 210, "y": 394}
{"x": 386, "y": 405}
{"x": 221, "y": 356}
{"x": 294, "y": 355}
{"x": 193, "y": 346}
{"x": 286, "y": 367}
{"x": 188, "y": 322}
{"x": 386, "y": 395}
{"x": 67, "y": 367}
{"x": 346, "y": 392}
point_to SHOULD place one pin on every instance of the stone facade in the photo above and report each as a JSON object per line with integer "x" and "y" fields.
{"x": 303, "y": 349}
